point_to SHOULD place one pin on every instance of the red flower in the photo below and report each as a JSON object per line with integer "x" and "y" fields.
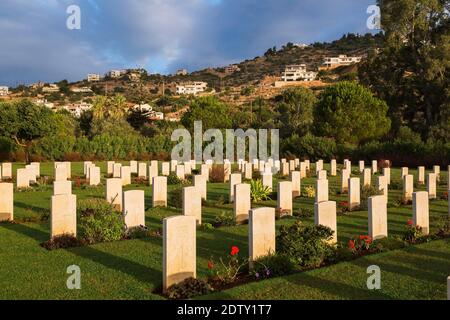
{"x": 410, "y": 222}
{"x": 351, "y": 244}
{"x": 234, "y": 250}
{"x": 368, "y": 240}
{"x": 210, "y": 265}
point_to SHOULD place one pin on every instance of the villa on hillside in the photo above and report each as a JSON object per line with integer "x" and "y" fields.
{"x": 50, "y": 88}
{"x": 182, "y": 72}
{"x": 93, "y": 77}
{"x": 191, "y": 88}
{"x": 4, "y": 90}
{"x": 81, "y": 90}
{"x": 341, "y": 60}
{"x": 76, "y": 109}
{"x": 116, "y": 73}
{"x": 232, "y": 68}
{"x": 298, "y": 73}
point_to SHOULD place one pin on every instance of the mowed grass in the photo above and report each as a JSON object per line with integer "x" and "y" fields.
{"x": 132, "y": 269}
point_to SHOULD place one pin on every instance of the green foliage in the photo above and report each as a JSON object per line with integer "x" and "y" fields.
{"x": 99, "y": 222}
{"x": 225, "y": 219}
{"x": 64, "y": 241}
{"x": 306, "y": 246}
{"x": 272, "y": 265}
{"x": 413, "y": 233}
{"x": 140, "y": 232}
{"x": 351, "y": 114}
{"x": 258, "y": 191}
{"x": 172, "y": 179}
{"x": 175, "y": 198}
{"x": 210, "y": 111}
{"x": 188, "y": 289}
{"x": 410, "y": 72}
{"x": 295, "y": 108}
{"x": 366, "y": 193}
{"x": 310, "y": 146}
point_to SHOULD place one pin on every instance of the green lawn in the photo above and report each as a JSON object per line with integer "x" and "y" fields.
{"x": 133, "y": 269}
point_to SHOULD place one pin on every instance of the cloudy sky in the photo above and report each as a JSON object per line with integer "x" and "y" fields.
{"x": 159, "y": 35}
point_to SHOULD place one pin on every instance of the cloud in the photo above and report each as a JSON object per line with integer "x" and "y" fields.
{"x": 160, "y": 35}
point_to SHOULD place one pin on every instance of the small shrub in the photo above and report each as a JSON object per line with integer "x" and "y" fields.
{"x": 272, "y": 265}
{"x": 366, "y": 193}
{"x": 396, "y": 184}
{"x": 413, "y": 234}
{"x": 362, "y": 245}
{"x": 140, "y": 232}
{"x": 342, "y": 208}
{"x": 304, "y": 213}
{"x": 217, "y": 173}
{"x": 225, "y": 219}
{"x": 99, "y": 222}
{"x": 443, "y": 225}
{"x": 175, "y": 198}
{"x": 62, "y": 242}
{"x": 172, "y": 179}
{"x": 309, "y": 192}
{"x": 207, "y": 227}
{"x": 258, "y": 191}
{"x": 189, "y": 288}
{"x": 228, "y": 269}
{"x": 306, "y": 246}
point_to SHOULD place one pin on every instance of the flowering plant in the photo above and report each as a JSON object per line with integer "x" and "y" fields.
{"x": 413, "y": 232}
{"x": 227, "y": 270}
{"x": 360, "y": 244}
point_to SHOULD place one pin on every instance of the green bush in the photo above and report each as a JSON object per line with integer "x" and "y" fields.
{"x": 310, "y": 146}
{"x": 175, "y": 198}
{"x": 189, "y": 288}
{"x": 366, "y": 193}
{"x": 258, "y": 191}
{"x": 173, "y": 179}
{"x": 99, "y": 222}
{"x": 272, "y": 265}
{"x": 306, "y": 246}
{"x": 225, "y": 219}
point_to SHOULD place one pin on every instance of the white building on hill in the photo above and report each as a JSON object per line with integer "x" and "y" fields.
{"x": 298, "y": 72}
{"x": 341, "y": 60}
{"x": 191, "y": 88}
{"x": 93, "y": 77}
{"x": 4, "y": 91}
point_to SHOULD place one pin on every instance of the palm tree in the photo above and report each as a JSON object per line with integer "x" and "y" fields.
{"x": 99, "y": 107}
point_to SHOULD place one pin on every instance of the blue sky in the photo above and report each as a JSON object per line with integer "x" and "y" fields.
{"x": 159, "y": 35}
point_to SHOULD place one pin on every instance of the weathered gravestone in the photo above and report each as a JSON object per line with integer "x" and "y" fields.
{"x": 345, "y": 176}
{"x": 431, "y": 185}
{"x": 114, "y": 192}
{"x": 6, "y": 202}
{"x": 134, "y": 208}
{"x": 159, "y": 192}
{"x": 321, "y": 190}
{"x": 242, "y": 202}
{"x": 94, "y": 176}
{"x": 23, "y": 179}
{"x": 325, "y": 215}
{"x": 200, "y": 184}
{"x": 377, "y": 217}
{"x": 63, "y": 217}
{"x": 408, "y": 187}
{"x": 421, "y": 211}
{"x": 261, "y": 231}
{"x": 192, "y": 203}
{"x": 142, "y": 170}
{"x": 421, "y": 175}
{"x": 235, "y": 178}
{"x": 179, "y": 250}
{"x": 7, "y": 170}
{"x": 354, "y": 193}
{"x": 125, "y": 175}
{"x": 296, "y": 183}
{"x": 367, "y": 177}
{"x": 284, "y": 197}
